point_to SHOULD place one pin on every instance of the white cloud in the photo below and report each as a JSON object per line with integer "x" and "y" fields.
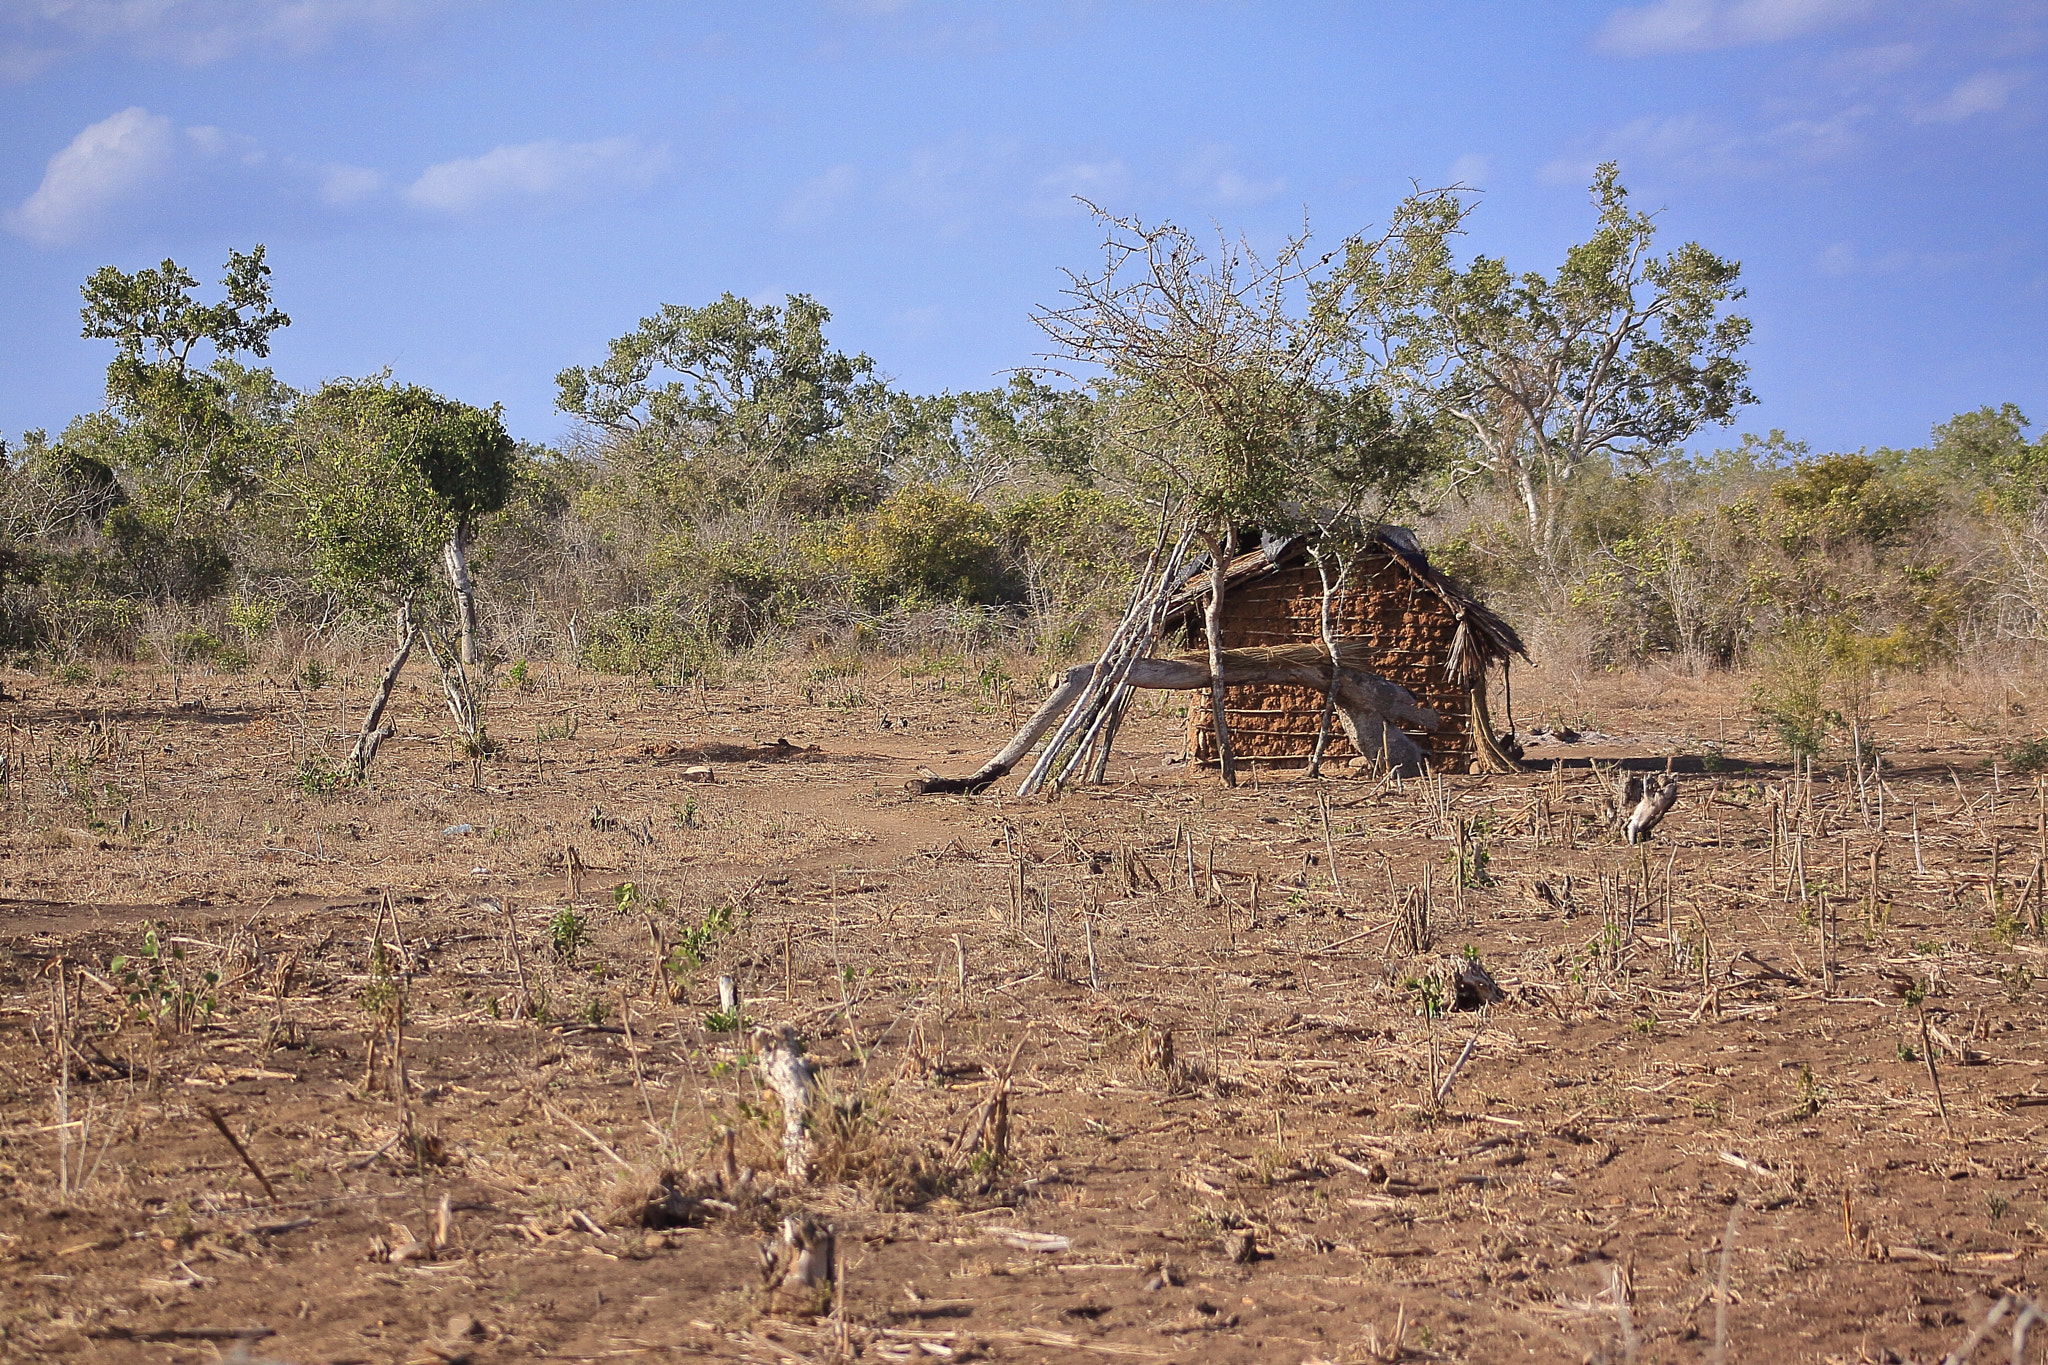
{"x": 918, "y": 324}
{"x": 1215, "y": 174}
{"x": 348, "y": 186}
{"x": 818, "y": 199}
{"x": 545, "y": 174}
{"x": 38, "y": 34}
{"x": 1984, "y": 93}
{"x": 1098, "y": 182}
{"x": 139, "y": 168}
{"x": 109, "y": 165}
{"x": 1844, "y": 259}
{"x": 1873, "y": 63}
{"x": 1472, "y": 170}
{"x": 1667, "y": 26}
{"x": 949, "y": 186}
{"x": 1697, "y": 146}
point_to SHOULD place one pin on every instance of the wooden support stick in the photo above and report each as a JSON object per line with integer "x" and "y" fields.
{"x": 1934, "y": 1076}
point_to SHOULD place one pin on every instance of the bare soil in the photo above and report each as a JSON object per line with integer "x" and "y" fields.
{"x": 1209, "y": 1015}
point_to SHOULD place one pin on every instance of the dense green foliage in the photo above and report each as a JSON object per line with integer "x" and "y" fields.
{"x": 377, "y": 478}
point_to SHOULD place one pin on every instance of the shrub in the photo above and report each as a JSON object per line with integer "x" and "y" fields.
{"x": 2030, "y": 756}
{"x": 1791, "y": 699}
{"x": 645, "y": 640}
{"x": 318, "y": 777}
{"x": 925, "y": 544}
{"x": 204, "y": 647}
{"x": 252, "y": 619}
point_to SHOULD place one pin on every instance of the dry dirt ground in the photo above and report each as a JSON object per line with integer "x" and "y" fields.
{"x": 1152, "y": 1071}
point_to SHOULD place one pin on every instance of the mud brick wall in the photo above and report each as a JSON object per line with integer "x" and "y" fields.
{"x": 1407, "y": 628}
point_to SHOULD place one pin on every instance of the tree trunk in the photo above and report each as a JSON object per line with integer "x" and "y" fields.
{"x": 1219, "y": 564}
{"x": 1329, "y": 634}
{"x": 456, "y": 556}
{"x": 373, "y": 732}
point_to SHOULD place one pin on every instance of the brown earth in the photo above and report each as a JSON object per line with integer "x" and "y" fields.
{"x": 1677, "y": 1124}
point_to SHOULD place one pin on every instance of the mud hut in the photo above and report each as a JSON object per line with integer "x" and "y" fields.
{"x": 1417, "y": 629}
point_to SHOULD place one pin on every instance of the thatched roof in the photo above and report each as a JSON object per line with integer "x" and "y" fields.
{"x": 1483, "y": 638}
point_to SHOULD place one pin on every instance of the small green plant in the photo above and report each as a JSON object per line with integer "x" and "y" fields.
{"x": 314, "y": 675}
{"x": 1908, "y": 1053}
{"x": 2017, "y": 981}
{"x": 1812, "y": 1094}
{"x": 1996, "y": 1205}
{"x": 72, "y": 673}
{"x": 377, "y": 998}
{"x": 517, "y": 675}
{"x": 593, "y": 1012}
{"x": 1647, "y": 1024}
{"x": 694, "y": 943}
{"x": 318, "y": 777}
{"x": 160, "y": 987}
{"x": 1472, "y": 860}
{"x": 385, "y": 993}
{"x": 1428, "y": 993}
{"x": 686, "y": 814}
{"x": 2029, "y": 757}
{"x": 566, "y": 933}
{"x": 722, "y": 1021}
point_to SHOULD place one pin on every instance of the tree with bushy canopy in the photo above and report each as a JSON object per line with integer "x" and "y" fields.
{"x": 736, "y": 403}
{"x": 1620, "y": 352}
{"x": 384, "y": 480}
{"x": 187, "y": 441}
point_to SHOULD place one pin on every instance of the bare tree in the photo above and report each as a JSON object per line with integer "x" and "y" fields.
{"x": 1220, "y": 396}
{"x": 1210, "y": 378}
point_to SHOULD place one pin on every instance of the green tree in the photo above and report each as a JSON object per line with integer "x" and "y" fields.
{"x": 734, "y": 402}
{"x": 188, "y": 433}
{"x": 1988, "y": 449}
{"x": 1620, "y": 352}
{"x": 384, "y": 480}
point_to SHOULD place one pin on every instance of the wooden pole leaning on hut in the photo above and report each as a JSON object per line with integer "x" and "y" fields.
{"x": 1371, "y": 709}
{"x": 1097, "y": 705}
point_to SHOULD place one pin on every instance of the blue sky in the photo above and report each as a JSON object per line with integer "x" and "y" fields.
{"x": 477, "y": 194}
